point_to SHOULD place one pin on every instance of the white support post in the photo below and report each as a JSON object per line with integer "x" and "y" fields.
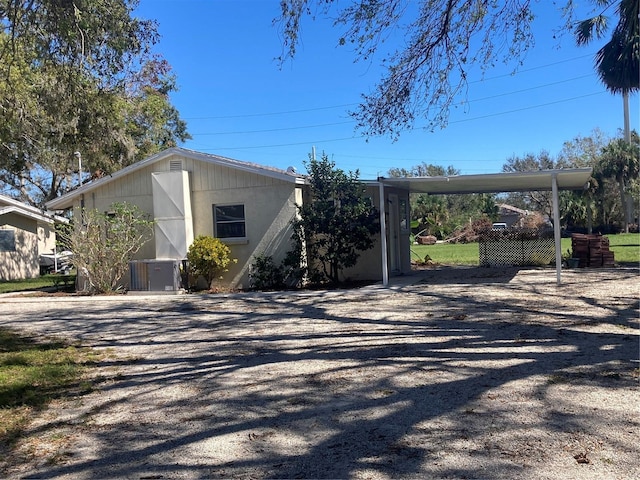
{"x": 556, "y": 227}
{"x": 383, "y": 236}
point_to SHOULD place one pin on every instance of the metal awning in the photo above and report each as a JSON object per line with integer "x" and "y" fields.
{"x": 567, "y": 179}
{"x": 541, "y": 180}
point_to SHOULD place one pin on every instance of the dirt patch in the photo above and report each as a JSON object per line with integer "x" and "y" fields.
{"x": 450, "y": 373}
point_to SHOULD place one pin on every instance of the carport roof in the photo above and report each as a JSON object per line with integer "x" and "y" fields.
{"x": 567, "y": 179}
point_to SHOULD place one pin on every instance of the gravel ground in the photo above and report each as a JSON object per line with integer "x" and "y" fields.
{"x": 449, "y": 373}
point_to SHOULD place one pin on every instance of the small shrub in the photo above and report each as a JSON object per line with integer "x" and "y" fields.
{"x": 209, "y": 257}
{"x": 265, "y": 274}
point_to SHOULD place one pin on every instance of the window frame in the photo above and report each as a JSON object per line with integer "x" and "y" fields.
{"x": 216, "y": 223}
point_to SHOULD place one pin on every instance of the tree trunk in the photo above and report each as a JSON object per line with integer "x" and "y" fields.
{"x": 627, "y": 129}
{"x": 626, "y": 200}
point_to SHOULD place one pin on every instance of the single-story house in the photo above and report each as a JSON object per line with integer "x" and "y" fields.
{"x": 250, "y": 207}
{"x": 247, "y": 206}
{"x": 26, "y": 232}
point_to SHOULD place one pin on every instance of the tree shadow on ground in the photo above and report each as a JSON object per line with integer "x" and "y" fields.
{"x": 420, "y": 383}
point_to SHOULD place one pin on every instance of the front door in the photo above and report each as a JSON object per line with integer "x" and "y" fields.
{"x": 394, "y": 234}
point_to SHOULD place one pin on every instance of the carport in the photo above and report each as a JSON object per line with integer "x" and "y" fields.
{"x": 542, "y": 180}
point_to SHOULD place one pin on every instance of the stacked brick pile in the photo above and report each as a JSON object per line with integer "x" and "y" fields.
{"x": 592, "y": 250}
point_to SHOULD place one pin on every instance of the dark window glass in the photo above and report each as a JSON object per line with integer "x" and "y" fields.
{"x": 7, "y": 241}
{"x": 229, "y": 221}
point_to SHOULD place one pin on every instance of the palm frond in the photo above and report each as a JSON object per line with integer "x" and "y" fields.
{"x": 586, "y": 30}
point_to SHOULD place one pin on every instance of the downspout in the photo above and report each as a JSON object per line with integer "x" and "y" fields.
{"x": 556, "y": 226}
{"x": 383, "y": 236}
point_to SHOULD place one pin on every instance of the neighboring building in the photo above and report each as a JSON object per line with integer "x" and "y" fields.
{"x": 511, "y": 215}
{"x": 25, "y": 233}
{"x": 514, "y": 216}
{"x": 247, "y": 206}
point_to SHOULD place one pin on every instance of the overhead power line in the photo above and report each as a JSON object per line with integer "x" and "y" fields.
{"x": 527, "y": 108}
{"x": 344, "y": 105}
{"x": 312, "y": 142}
{"x": 284, "y": 129}
{"x": 274, "y": 129}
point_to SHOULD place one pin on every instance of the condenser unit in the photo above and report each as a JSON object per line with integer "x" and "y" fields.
{"x": 154, "y": 276}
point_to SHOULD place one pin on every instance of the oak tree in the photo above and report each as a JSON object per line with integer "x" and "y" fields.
{"x": 88, "y": 83}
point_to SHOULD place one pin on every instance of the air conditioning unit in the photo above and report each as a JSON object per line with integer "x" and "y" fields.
{"x": 154, "y": 276}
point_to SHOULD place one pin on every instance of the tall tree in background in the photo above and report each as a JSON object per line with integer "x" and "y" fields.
{"x": 442, "y": 42}
{"x": 618, "y": 66}
{"x": 620, "y": 160}
{"x": 87, "y": 82}
{"x": 585, "y": 152}
{"x": 618, "y": 61}
{"x": 424, "y": 170}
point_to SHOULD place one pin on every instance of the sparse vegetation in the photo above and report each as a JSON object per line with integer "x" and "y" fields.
{"x": 105, "y": 243}
{"x": 32, "y": 373}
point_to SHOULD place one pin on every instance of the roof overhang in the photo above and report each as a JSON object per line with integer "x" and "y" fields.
{"x": 567, "y": 179}
{"x": 23, "y": 212}
{"x": 11, "y": 205}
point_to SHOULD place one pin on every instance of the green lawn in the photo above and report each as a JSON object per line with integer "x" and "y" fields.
{"x": 626, "y": 248}
{"x": 447, "y": 253}
{"x": 55, "y": 281}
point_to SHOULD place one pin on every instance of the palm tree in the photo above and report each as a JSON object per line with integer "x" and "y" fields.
{"x": 620, "y": 160}
{"x": 617, "y": 62}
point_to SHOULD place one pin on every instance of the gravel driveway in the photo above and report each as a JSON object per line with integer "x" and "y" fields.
{"x": 449, "y": 373}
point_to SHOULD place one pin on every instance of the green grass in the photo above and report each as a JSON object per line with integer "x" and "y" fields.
{"x": 56, "y": 281}
{"x": 447, "y": 253}
{"x": 32, "y": 373}
{"x": 626, "y": 248}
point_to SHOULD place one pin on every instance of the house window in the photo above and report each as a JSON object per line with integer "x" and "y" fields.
{"x": 229, "y": 221}
{"x": 7, "y": 241}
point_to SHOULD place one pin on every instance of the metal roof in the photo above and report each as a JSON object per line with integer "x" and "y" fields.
{"x": 67, "y": 199}
{"x": 567, "y": 179}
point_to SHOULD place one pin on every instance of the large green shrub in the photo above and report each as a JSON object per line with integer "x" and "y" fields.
{"x": 209, "y": 257}
{"x": 336, "y": 224}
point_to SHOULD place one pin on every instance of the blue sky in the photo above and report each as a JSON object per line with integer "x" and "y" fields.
{"x": 238, "y": 103}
